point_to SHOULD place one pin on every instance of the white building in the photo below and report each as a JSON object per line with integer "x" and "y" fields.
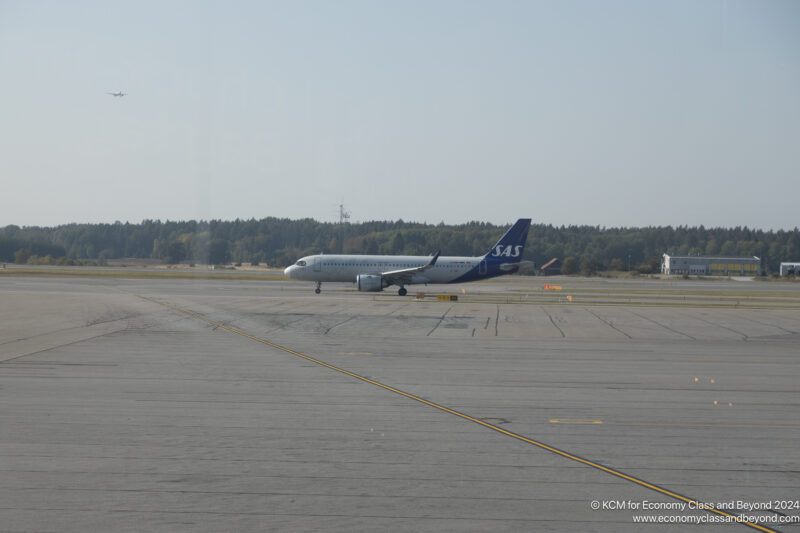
{"x": 787, "y": 267}
{"x": 698, "y": 265}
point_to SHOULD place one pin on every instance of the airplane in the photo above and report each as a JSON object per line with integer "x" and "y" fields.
{"x": 118, "y": 94}
{"x": 376, "y": 272}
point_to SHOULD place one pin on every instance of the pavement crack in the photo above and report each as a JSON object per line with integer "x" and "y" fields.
{"x": 441, "y": 319}
{"x": 338, "y": 324}
{"x": 553, "y": 322}
{"x": 744, "y": 337}
{"x": 663, "y": 326}
{"x": 773, "y": 325}
{"x": 606, "y": 322}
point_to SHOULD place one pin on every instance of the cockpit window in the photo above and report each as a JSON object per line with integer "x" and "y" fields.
{"x": 301, "y": 263}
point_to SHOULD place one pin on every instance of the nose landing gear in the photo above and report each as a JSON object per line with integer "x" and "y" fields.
{"x": 318, "y": 290}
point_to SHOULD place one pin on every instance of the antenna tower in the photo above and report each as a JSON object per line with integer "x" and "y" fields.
{"x": 343, "y": 215}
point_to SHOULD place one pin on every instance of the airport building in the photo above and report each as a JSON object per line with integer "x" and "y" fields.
{"x": 790, "y": 268}
{"x": 698, "y": 265}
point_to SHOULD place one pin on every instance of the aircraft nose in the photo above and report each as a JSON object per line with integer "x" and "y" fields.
{"x": 288, "y": 271}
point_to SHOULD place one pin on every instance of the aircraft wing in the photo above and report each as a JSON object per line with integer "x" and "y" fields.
{"x": 401, "y": 277}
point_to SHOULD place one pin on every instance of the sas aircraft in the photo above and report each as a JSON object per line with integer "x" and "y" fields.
{"x": 376, "y": 272}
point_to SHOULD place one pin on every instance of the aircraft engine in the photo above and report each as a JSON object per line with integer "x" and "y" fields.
{"x": 369, "y": 282}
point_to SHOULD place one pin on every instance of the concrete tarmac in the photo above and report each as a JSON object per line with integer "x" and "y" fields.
{"x": 155, "y": 405}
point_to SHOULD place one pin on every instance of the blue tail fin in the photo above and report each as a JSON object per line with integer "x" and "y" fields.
{"x": 511, "y": 246}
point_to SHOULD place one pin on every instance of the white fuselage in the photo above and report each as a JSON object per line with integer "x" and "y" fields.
{"x": 325, "y": 268}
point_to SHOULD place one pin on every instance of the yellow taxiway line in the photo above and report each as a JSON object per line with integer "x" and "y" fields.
{"x": 574, "y": 421}
{"x": 697, "y": 504}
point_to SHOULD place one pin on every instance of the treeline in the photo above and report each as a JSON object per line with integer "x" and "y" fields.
{"x": 25, "y": 248}
{"x": 279, "y": 242}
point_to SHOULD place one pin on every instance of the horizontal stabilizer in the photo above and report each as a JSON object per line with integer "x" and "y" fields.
{"x": 512, "y": 266}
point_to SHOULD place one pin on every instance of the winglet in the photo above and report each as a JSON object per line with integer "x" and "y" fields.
{"x": 433, "y": 259}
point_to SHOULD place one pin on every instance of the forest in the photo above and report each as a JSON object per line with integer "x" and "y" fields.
{"x": 278, "y": 242}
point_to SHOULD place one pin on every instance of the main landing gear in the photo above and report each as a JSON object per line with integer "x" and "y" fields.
{"x": 318, "y": 290}
{"x": 402, "y": 291}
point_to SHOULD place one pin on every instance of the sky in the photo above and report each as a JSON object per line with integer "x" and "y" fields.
{"x": 612, "y": 113}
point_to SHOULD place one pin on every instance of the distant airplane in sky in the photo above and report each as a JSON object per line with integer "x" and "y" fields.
{"x": 375, "y": 272}
{"x": 118, "y": 93}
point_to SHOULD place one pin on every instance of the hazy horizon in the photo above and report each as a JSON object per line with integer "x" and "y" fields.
{"x": 351, "y": 221}
{"x": 611, "y": 114}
